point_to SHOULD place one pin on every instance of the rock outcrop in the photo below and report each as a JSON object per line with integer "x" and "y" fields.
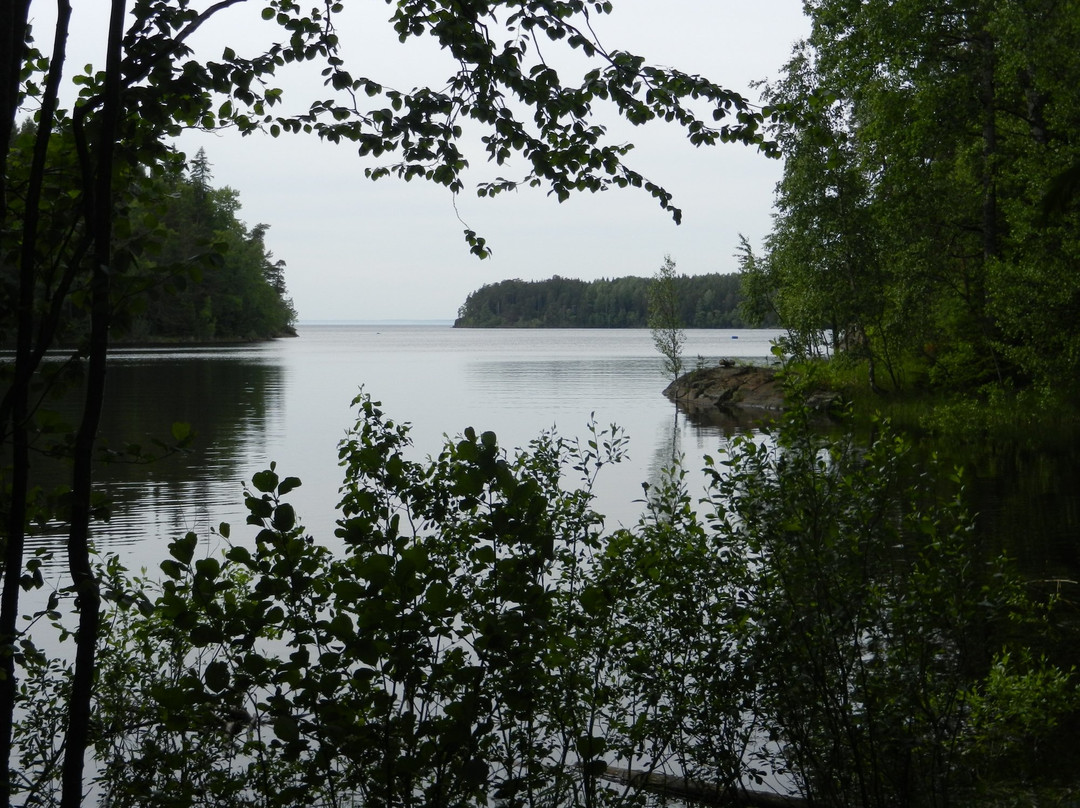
{"x": 730, "y": 386}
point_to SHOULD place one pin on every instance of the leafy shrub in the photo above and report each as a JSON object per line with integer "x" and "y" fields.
{"x": 479, "y": 638}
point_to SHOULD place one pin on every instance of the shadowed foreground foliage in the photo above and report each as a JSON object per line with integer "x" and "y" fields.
{"x": 476, "y": 637}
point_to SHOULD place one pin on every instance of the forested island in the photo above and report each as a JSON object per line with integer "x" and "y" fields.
{"x": 706, "y": 301}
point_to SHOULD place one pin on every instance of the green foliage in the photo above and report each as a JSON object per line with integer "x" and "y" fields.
{"x": 410, "y": 668}
{"x": 676, "y": 599}
{"x": 870, "y": 618}
{"x": 478, "y": 637}
{"x": 1018, "y": 700}
{"x": 920, "y": 145}
{"x": 665, "y": 324}
{"x": 705, "y": 301}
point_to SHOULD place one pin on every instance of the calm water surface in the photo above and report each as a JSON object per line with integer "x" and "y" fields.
{"x": 289, "y": 400}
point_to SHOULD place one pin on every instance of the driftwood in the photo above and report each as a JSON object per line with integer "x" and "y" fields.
{"x": 696, "y": 791}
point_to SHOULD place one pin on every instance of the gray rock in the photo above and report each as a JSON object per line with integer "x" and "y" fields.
{"x": 736, "y": 386}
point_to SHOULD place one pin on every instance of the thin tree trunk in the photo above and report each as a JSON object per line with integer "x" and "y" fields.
{"x": 82, "y": 574}
{"x": 991, "y": 246}
{"x": 13, "y": 17}
{"x": 16, "y": 405}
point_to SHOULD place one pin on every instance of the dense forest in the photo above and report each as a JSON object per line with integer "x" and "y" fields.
{"x": 210, "y": 277}
{"x": 192, "y": 270}
{"x": 926, "y": 223}
{"x": 706, "y": 301}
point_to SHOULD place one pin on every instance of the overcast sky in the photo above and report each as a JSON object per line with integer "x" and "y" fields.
{"x": 358, "y": 250}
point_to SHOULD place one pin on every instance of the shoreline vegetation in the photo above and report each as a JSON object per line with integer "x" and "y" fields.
{"x": 836, "y": 386}
{"x": 121, "y": 343}
{"x": 705, "y": 301}
{"x": 917, "y": 392}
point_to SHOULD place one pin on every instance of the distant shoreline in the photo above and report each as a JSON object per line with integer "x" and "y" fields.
{"x": 305, "y": 323}
{"x": 451, "y": 324}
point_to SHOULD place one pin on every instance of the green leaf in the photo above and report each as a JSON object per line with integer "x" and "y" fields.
{"x": 591, "y": 746}
{"x": 239, "y": 555}
{"x": 287, "y": 485}
{"x": 259, "y": 509}
{"x": 208, "y": 568}
{"x": 375, "y": 568}
{"x": 216, "y": 676}
{"x": 183, "y": 550}
{"x": 203, "y": 635}
{"x": 594, "y": 600}
{"x": 341, "y": 627}
{"x": 284, "y": 517}
{"x": 265, "y": 481}
{"x": 286, "y": 729}
{"x": 594, "y": 768}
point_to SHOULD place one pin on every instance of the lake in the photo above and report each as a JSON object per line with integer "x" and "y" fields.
{"x": 289, "y": 400}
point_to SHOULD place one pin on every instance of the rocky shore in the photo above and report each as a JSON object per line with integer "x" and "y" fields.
{"x": 729, "y": 387}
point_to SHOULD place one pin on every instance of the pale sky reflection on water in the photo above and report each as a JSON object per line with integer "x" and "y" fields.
{"x": 288, "y": 402}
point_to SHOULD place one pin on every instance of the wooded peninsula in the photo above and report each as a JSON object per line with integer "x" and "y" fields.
{"x": 706, "y": 301}
{"x": 194, "y": 272}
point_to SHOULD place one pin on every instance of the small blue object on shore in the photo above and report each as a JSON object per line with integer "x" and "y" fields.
{"x": 734, "y": 336}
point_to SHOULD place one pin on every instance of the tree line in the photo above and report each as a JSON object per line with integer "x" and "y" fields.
{"x": 927, "y": 223}
{"x": 213, "y": 276}
{"x": 703, "y": 301}
{"x": 194, "y": 272}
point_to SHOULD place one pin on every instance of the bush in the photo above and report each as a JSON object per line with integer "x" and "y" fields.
{"x": 480, "y": 639}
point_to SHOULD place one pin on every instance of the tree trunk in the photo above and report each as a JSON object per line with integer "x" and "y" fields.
{"x": 15, "y": 408}
{"x": 99, "y": 219}
{"x": 988, "y": 86}
{"x": 991, "y": 242}
{"x": 13, "y": 17}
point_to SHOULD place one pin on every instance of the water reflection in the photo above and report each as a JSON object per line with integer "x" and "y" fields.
{"x": 232, "y": 401}
{"x": 1027, "y": 503}
{"x": 728, "y": 420}
{"x": 289, "y": 401}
